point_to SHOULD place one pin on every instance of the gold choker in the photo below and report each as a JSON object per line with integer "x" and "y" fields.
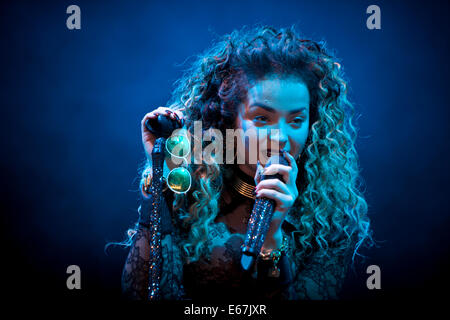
{"x": 244, "y": 188}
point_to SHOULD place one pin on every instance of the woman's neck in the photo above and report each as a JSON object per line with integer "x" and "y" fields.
{"x": 236, "y": 215}
{"x": 249, "y": 170}
{"x": 235, "y": 219}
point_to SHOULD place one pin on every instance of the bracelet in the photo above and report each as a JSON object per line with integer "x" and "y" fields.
{"x": 275, "y": 255}
{"x": 147, "y": 182}
{"x": 147, "y": 202}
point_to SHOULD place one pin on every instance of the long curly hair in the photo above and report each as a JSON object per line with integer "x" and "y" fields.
{"x": 330, "y": 212}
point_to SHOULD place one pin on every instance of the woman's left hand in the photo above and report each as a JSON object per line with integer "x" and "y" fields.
{"x": 283, "y": 193}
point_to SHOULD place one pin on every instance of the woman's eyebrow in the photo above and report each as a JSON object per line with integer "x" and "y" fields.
{"x": 270, "y": 109}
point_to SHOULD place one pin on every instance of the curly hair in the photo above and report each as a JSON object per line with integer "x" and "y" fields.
{"x": 330, "y": 211}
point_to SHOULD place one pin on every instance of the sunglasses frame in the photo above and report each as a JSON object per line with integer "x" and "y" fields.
{"x": 180, "y": 167}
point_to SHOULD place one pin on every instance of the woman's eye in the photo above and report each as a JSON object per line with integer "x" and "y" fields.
{"x": 298, "y": 120}
{"x": 261, "y": 119}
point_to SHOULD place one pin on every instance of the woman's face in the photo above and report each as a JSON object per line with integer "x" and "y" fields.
{"x": 274, "y": 103}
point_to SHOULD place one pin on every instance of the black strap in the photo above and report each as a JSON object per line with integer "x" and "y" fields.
{"x": 166, "y": 213}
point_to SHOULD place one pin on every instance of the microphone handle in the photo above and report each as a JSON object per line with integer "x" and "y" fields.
{"x": 259, "y": 223}
{"x": 155, "y": 262}
{"x": 257, "y": 228}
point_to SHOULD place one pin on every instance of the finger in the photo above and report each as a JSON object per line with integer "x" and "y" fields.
{"x": 275, "y": 184}
{"x": 147, "y": 115}
{"x": 291, "y": 160}
{"x": 144, "y": 119}
{"x": 163, "y": 111}
{"x": 179, "y": 114}
{"x": 282, "y": 169}
{"x": 179, "y": 117}
{"x": 282, "y": 200}
{"x": 151, "y": 115}
{"x": 174, "y": 115}
{"x": 159, "y": 110}
{"x": 171, "y": 114}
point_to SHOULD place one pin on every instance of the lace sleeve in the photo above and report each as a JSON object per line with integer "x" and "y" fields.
{"x": 319, "y": 277}
{"x": 135, "y": 272}
{"x": 172, "y": 269}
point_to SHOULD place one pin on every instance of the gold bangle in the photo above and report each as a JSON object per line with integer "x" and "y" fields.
{"x": 271, "y": 253}
{"x": 147, "y": 182}
{"x": 146, "y": 185}
{"x": 275, "y": 255}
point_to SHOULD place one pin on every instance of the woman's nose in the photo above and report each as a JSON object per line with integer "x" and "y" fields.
{"x": 278, "y": 135}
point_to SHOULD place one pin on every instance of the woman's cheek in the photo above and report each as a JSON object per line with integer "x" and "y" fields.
{"x": 301, "y": 143}
{"x": 263, "y": 145}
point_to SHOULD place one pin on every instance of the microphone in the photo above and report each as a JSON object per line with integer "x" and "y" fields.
{"x": 259, "y": 221}
{"x": 162, "y": 127}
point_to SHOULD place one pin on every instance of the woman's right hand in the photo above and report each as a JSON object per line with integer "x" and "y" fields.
{"x": 148, "y": 138}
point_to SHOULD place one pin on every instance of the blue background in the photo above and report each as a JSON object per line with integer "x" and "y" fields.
{"x": 72, "y": 101}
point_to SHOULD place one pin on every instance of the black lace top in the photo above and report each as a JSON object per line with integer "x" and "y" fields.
{"x": 220, "y": 276}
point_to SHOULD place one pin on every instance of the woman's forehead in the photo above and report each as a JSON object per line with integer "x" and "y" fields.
{"x": 284, "y": 94}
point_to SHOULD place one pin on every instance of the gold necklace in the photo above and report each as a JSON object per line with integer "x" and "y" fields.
{"x": 244, "y": 188}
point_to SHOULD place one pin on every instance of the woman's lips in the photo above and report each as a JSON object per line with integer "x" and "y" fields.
{"x": 270, "y": 153}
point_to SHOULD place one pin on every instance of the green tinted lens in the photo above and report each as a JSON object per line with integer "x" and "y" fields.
{"x": 178, "y": 146}
{"x": 179, "y": 180}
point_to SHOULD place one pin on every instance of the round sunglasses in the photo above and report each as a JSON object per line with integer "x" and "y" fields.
{"x": 179, "y": 179}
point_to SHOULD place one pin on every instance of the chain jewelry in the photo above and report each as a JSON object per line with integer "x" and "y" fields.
{"x": 147, "y": 182}
{"x": 275, "y": 255}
